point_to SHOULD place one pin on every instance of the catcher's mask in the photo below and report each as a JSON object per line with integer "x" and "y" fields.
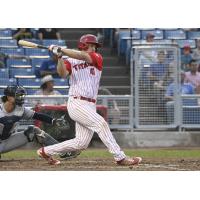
{"x": 88, "y": 39}
{"x": 18, "y": 92}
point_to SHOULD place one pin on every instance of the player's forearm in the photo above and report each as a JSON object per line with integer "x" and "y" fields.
{"x": 61, "y": 69}
{"x": 43, "y": 117}
{"x": 80, "y": 55}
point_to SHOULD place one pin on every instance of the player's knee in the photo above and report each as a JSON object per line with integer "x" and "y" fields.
{"x": 81, "y": 145}
{"x": 29, "y": 133}
{"x": 103, "y": 125}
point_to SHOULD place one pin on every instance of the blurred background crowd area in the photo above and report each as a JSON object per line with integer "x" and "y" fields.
{"x": 27, "y": 66}
{"x": 153, "y": 95}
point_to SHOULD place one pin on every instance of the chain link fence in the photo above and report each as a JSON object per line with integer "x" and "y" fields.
{"x": 156, "y": 67}
{"x": 162, "y": 99}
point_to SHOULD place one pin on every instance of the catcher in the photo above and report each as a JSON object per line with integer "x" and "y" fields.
{"x": 12, "y": 111}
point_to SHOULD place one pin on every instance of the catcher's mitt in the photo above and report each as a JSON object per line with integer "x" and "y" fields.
{"x": 61, "y": 122}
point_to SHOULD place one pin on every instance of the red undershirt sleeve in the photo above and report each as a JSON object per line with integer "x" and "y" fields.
{"x": 68, "y": 66}
{"x": 97, "y": 60}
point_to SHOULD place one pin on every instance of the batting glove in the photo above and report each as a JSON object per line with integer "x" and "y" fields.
{"x": 56, "y": 50}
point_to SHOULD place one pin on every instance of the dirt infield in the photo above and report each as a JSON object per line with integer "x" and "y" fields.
{"x": 99, "y": 164}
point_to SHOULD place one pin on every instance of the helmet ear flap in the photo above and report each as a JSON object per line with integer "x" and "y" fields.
{"x": 82, "y": 46}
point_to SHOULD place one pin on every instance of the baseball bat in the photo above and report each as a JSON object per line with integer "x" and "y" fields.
{"x": 31, "y": 44}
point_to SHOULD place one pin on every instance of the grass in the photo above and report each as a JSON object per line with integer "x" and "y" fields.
{"x": 103, "y": 153}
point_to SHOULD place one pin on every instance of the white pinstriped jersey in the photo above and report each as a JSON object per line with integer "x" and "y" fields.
{"x": 85, "y": 77}
{"x": 84, "y": 80}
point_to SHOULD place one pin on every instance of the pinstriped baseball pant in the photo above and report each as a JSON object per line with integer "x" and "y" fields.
{"x": 87, "y": 121}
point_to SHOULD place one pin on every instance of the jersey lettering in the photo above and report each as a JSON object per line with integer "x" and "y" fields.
{"x": 81, "y": 66}
{"x": 85, "y": 77}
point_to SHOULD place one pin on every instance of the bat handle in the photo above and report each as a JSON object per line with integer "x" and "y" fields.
{"x": 42, "y": 47}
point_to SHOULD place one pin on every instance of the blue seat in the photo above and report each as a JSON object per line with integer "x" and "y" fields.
{"x": 124, "y": 38}
{"x": 182, "y": 43}
{"x": 31, "y": 91}
{"x": 36, "y": 62}
{"x": 191, "y": 115}
{"x": 32, "y": 82}
{"x": 107, "y": 33}
{"x": 122, "y": 42}
{"x": 17, "y": 62}
{"x": 13, "y": 51}
{"x": 8, "y": 43}
{"x": 175, "y": 34}
{"x": 48, "y": 42}
{"x": 63, "y": 91}
{"x": 194, "y": 35}
{"x": 4, "y": 73}
{"x": 61, "y": 82}
{"x": 21, "y": 72}
{"x": 36, "y": 52}
{"x": 1, "y": 91}
{"x": 7, "y": 81}
{"x": 34, "y": 32}
{"x": 189, "y": 101}
{"x": 6, "y": 33}
{"x": 158, "y": 34}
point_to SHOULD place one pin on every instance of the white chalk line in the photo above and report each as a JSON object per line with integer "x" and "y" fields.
{"x": 170, "y": 167}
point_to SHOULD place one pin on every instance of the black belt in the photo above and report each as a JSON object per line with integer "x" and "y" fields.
{"x": 86, "y": 99}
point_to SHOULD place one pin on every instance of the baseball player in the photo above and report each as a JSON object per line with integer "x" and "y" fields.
{"x": 11, "y": 111}
{"x": 84, "y": 67}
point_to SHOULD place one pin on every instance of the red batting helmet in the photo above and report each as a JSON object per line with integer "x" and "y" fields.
{"x": 88, "y": 39}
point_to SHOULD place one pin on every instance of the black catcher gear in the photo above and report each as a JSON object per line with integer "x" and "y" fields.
{"x": 18, "y": 92}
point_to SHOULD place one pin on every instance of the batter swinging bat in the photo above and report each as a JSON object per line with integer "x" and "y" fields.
{"x": 31, "y": 44}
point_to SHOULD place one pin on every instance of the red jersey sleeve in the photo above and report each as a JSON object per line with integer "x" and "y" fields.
{"x": 68, "y": 66}
{"x": 97, "y": 60}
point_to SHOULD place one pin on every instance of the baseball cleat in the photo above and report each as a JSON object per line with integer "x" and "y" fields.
{"x": 70, "y": 155}
{"x": 49, "y": 159}
{"x": 130, "y": 161}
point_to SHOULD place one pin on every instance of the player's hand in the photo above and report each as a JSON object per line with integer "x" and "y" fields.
{"x": 56, "y": 50}
{"x": 51, "y": 47}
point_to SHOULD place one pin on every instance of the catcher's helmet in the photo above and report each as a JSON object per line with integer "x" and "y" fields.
{"x": 88, "y": 39}
{"x": 18, "y": 92}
